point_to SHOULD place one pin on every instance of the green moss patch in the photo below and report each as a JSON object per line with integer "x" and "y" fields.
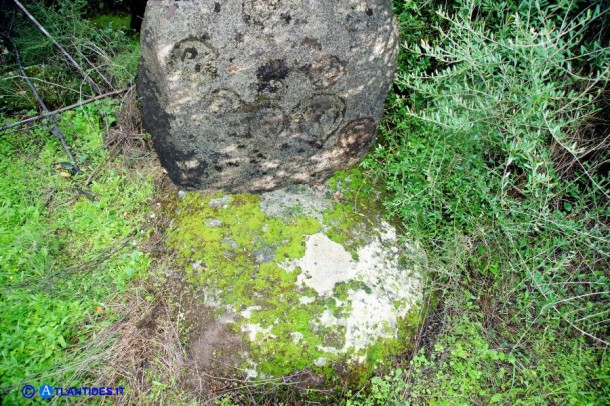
{"x": 355, "y": 211}
{"x": 241, "y": 257}
{"x": 218, "y": 246}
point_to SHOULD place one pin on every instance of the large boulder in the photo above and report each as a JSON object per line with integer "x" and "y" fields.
{"x": 252, "y": 95}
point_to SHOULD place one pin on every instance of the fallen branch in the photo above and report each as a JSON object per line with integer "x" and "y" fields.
{"x": 54, "y": 129}
{"x": 88, "y": 79}
{"x": 63, "y": 109}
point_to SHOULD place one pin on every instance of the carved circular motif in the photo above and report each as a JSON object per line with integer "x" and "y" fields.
{"x": 195, "y": 58}
{"x": 356, "y": 137}
{"x": 222, "y": 101}
{"x": 318, "y": 117}
{"x": 326, "y": 71}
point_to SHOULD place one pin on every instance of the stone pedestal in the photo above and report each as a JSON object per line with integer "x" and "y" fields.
{"x": 299, "y": 281}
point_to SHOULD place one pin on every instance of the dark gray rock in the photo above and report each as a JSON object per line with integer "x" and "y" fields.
{"x": 251, "y": 95}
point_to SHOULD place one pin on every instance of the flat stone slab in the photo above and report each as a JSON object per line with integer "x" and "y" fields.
{"x": 309, "y": 281}
{"x": 252, "y": 95}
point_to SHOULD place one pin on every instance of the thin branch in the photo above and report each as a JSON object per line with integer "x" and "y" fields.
{"x": 554, "y": 304}
{"x": 43, "y": 81}
{"x": 606, "y": 343}
{"x": 99, "y": 51}
{"x": 99, "y": 166}
{"x": 54, "y": 129}
{"x": 93, "y": 85}
{"x": 63, "y": 109}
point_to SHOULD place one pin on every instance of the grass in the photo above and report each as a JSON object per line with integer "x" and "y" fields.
{"x": 64, "y": 258}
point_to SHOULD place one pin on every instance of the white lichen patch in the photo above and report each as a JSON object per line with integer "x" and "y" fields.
{"x": 307, "y": 300}
{"x": 325, "y": 264}
{"x": 330, "y": 350}
{"x": 221, "y": 202}
{"x": 247, "y": 313}
{"x": 213, "y": 223}
{"x": 257, "y": 333}
{"x": 384, "y": 291}
{"x": 296, "y": 337}
{"x": 320, "y": 362}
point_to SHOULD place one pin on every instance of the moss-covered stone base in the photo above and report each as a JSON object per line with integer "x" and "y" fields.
{"x": 312, "y": 279}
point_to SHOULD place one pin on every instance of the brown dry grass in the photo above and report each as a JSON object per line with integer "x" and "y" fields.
{"x": 143, "y": 346}
{"x": 127, "y": 137}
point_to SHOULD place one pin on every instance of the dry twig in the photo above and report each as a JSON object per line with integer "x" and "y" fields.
{"x": 54, "y": 129}
{"x": 63, "y": 109}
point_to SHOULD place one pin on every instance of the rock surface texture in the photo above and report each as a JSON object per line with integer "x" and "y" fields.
{"x": 300, "y": 279}
{"x": 252, "y": 95}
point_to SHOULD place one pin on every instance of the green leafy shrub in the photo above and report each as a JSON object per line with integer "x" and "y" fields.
{"x": 472, "y": 151}
{"x": 493, "y": 156}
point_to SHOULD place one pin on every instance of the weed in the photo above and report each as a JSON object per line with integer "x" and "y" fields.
{"x": 63, "y": 257}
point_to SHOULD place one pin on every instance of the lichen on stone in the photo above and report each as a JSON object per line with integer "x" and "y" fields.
{"x": 308, "y": 284}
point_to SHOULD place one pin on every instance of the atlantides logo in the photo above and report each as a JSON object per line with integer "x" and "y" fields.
{"x": 47, "y": 391}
